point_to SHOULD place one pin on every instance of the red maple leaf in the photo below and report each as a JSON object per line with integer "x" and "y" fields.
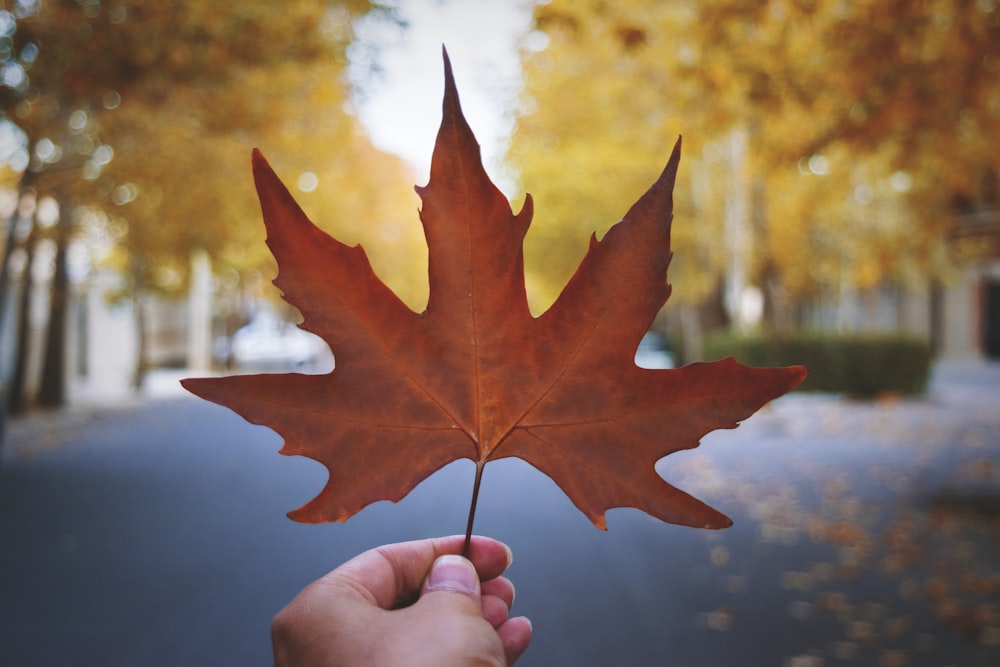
{"x": 475, "y": 375}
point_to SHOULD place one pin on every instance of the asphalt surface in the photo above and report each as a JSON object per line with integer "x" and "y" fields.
{"x": 867, "y": 533}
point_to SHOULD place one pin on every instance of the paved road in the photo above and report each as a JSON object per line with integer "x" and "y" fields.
{"x": 866, "y": 534}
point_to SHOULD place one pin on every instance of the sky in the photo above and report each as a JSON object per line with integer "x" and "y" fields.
{"x": 400, "y": 103}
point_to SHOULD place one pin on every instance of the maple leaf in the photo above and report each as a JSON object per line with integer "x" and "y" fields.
{"x": 477, "y": 376}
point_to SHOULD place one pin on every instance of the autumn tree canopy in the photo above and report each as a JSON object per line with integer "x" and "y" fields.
{"x": 844, "y": 135}
{"x": 173, "y": 96}
{"x": 139, "y": 119}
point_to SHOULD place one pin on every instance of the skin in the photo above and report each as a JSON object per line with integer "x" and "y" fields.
{"x": 413, "y": 603}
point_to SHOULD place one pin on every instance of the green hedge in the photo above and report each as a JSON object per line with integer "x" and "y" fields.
{"x": 863, "y": 365}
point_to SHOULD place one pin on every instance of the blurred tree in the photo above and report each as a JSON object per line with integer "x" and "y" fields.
{"x": 138, "y": 118}
{"x": 829, "y": 141}
{"x": 596, "y": 117}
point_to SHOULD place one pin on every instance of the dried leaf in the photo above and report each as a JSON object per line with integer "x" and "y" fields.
{"x": 475, "y": 375}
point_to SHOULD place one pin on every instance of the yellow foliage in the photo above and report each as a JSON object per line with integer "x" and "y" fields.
{"x": 179, "y": 93}
{"x": 865, "y": 121}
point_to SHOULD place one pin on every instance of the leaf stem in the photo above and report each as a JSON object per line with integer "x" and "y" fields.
{"x": 472, "y": 507}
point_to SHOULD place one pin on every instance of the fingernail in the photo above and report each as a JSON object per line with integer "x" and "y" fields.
{"x": 453, "y": 573}
{"x": 510, "y": 555}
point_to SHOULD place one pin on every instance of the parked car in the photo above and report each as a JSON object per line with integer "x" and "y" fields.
{"x": 654, "y": 352}
{"x": 268, "y": 343}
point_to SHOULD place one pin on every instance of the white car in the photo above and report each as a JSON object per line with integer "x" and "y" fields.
{"x": 270, "y": 343}
{"x": 653, "y": 352}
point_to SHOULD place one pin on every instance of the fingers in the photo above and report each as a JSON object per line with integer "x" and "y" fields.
{"x": 455, "y": 574}
{"x": 491, "y": 557}
{"x": 500, "y": 587}
{"x": 494, "y": 610}
{"x": 389, "y": 574}
{"x": 498, "y": 598}
{"x": 515, "y": 635}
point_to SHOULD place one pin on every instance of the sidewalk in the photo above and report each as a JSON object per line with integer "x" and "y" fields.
{"x": 86, "y": 403}
{"x": 158, "y": 385}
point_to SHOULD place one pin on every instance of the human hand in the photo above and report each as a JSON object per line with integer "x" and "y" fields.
{"x": 413, "y": 603}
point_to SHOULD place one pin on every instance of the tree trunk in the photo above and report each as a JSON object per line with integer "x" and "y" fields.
{"x": 18, "y": 400}
{"x": 778, "y": 318}
{"x": 52, "y": 393}
{"x": 13, "y": 231}
{"x": 692, "y": 333}
{"x": 738, "y": 235}
{"x": 142, "y": 353}
{"x": 199, "y": 340}
{"x": 13, "y": 226}
{"x": 8, "y": 250}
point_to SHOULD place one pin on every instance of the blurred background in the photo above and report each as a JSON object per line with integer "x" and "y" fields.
{"x": 839, "y": 163}
{"x": 838, "y": 205}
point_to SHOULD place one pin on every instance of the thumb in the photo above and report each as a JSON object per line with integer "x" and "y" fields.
{"x": 453, "y": 574}
{"x": 451, "y": 616}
